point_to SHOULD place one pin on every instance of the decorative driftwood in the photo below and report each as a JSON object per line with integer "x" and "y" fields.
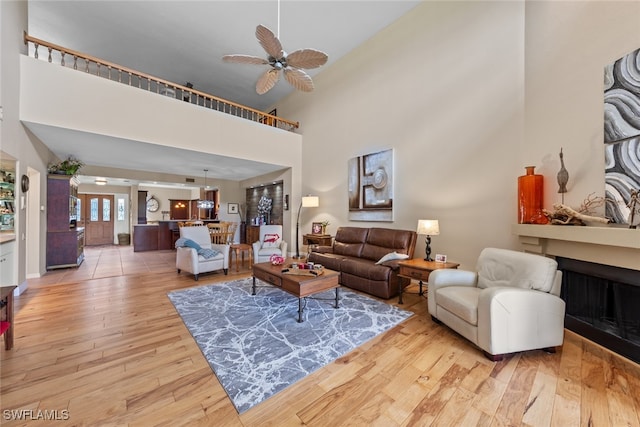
{"x": 564, "y": 215}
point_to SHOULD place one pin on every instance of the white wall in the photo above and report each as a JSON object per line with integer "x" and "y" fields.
{"x": 17, "y": 142}
{"x": 568, "y": 46}
{"x": 467, "y": 94}
{"x": 443, "y": 86}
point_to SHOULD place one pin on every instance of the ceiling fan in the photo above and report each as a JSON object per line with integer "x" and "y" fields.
{"x": 290, "y": 64}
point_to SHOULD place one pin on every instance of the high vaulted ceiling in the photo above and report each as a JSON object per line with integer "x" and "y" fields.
{"x": 184, "y": 41}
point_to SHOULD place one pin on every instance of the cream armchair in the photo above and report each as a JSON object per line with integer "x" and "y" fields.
{"x": 270, "y": 243}
{"x": 188, "y": 258}
{"x": 510, "y": 304}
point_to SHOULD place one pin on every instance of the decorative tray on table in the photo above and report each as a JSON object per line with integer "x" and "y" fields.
{"x": 302, "y": 269}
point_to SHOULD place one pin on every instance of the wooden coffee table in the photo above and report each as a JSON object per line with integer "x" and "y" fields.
{"x": 297, "y": 285}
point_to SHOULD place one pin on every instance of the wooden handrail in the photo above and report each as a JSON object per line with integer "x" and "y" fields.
{"x": 227, "y": 106}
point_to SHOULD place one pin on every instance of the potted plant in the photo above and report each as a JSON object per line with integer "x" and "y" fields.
{"x": 324, "y": 226}
{"x": 69, "y": 166}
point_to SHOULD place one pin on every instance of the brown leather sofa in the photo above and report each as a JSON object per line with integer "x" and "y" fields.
{"x": 355, "y": 252}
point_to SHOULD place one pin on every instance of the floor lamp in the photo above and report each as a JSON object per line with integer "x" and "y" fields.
{"x": 430, "y": 227}
{"x": 306, "y": 202}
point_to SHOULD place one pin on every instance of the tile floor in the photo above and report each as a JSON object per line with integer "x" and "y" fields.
{"x": 113, "y": 260}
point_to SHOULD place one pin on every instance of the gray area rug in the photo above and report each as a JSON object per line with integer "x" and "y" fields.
{"x": 255, "y": 345}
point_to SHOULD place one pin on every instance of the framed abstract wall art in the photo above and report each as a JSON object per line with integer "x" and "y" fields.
{"x": 622, "y": 135}
{"x": 370, "y": 188}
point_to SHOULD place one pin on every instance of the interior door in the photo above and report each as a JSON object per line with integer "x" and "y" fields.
{"x": 97, "y": 217}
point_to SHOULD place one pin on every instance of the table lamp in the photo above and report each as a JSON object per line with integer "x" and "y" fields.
{"x": 307, "y": 201}
{"x": 428, "y": 227}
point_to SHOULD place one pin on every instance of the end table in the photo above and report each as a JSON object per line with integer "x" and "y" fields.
{"x": 419, "y": 269}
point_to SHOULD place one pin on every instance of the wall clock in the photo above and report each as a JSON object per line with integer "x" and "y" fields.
{"x": 152, "y": 204}
{"x": 24, "y": 183}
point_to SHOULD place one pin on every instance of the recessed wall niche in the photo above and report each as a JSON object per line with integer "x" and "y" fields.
{"x": 275, "y": 193}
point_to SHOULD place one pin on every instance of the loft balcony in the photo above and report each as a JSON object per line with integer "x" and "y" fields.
{"x": 110, "y": 112}
{"x": 69, "y": 58}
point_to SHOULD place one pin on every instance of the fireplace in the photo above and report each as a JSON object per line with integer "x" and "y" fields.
{"x": 603, "y": 304}
{"x": 602, "y": 280}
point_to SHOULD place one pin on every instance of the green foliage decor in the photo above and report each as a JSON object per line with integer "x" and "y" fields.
{"x": 69, "y": 166}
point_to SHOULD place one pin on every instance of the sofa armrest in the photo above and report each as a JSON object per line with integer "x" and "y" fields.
{"x": 514, "y": 319}
{"x": 224, "y": 248}
{"x": 452, "y": 277}
{"x": 447, "y": 277}
{"x": 187, "y": 259}
{"x": 324, "y": 249}
{"x": 394, "y": 264}
{"x": 283, "y": 248}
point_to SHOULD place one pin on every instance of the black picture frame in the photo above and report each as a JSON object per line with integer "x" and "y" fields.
{"x": 232, "y": 208}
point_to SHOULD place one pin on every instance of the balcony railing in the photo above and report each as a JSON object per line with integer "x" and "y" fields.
{"x": 89, "y": 64}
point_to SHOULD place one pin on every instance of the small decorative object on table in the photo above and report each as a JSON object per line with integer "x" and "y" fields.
{"x": 316, "y": 228}
{"x": 276, "y": 259}
{"x": 563, "y": 177}
{"x": 634, "y": 209}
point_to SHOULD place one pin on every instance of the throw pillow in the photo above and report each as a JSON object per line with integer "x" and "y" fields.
{"x": 391, "y": 256}
{"x": 271, "y": 241}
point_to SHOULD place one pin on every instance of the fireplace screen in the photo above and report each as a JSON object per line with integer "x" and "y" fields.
{"x": 603, "y": 304}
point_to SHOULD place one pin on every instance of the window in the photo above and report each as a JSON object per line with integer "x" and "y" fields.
{"x": 106, "y": 210}
{"x": 120, "y": 209}
{"x": 93, "y": 203}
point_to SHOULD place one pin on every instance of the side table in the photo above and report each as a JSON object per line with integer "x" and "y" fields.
{"x": 240, "y": 248}
{"x": 419, "y": 269}
{"x": 317, "y": 239}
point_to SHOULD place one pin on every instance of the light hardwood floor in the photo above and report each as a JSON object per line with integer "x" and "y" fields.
{"x": 103, "y": 345}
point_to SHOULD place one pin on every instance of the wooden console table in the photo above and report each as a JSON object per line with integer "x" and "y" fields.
{"x": 419, "y": 269}
{"x": 317, "y": 239}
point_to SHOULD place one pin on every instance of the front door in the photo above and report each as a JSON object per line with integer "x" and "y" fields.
{"x": 97, "y": 218}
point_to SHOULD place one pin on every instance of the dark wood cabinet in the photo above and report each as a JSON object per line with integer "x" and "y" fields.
{"x": 142, "y": 207}
{"x": 253, "y": 233}
{"x": 65, "y": 241}
{"x": 145, "y": 237}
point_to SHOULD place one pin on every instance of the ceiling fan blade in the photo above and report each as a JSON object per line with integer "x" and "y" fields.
{"x": 307, "y": 58}
{"x": 298, "y": 79}
{"x": 267, "y": 81}
{"x": 269, "y": 42}
{"x": 244, "y": 59}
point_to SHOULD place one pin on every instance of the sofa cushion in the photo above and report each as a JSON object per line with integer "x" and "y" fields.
{"x": 365, "y": 269}
{"x": 502, "y": 267}
{"x": 350, "y": 240}
{"x": 268, "y": 251}
{"x": 381, "y": 241}
{"x": 461, "y": 301}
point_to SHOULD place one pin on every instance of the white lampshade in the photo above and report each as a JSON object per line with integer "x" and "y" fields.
{"x": 310, "y": 201}
{"x": 430, "y": 227}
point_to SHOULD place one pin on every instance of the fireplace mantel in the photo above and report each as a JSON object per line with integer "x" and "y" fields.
{"x": 603, "y": 245}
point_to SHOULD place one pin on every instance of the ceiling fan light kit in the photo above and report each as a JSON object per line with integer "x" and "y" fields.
{"x": 290, "y": 64}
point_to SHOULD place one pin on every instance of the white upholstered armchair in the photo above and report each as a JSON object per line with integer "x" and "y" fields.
{"x": 512, "y": 303}
{"x": 197, "y": 239}
{"x": 270, "y": 243}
